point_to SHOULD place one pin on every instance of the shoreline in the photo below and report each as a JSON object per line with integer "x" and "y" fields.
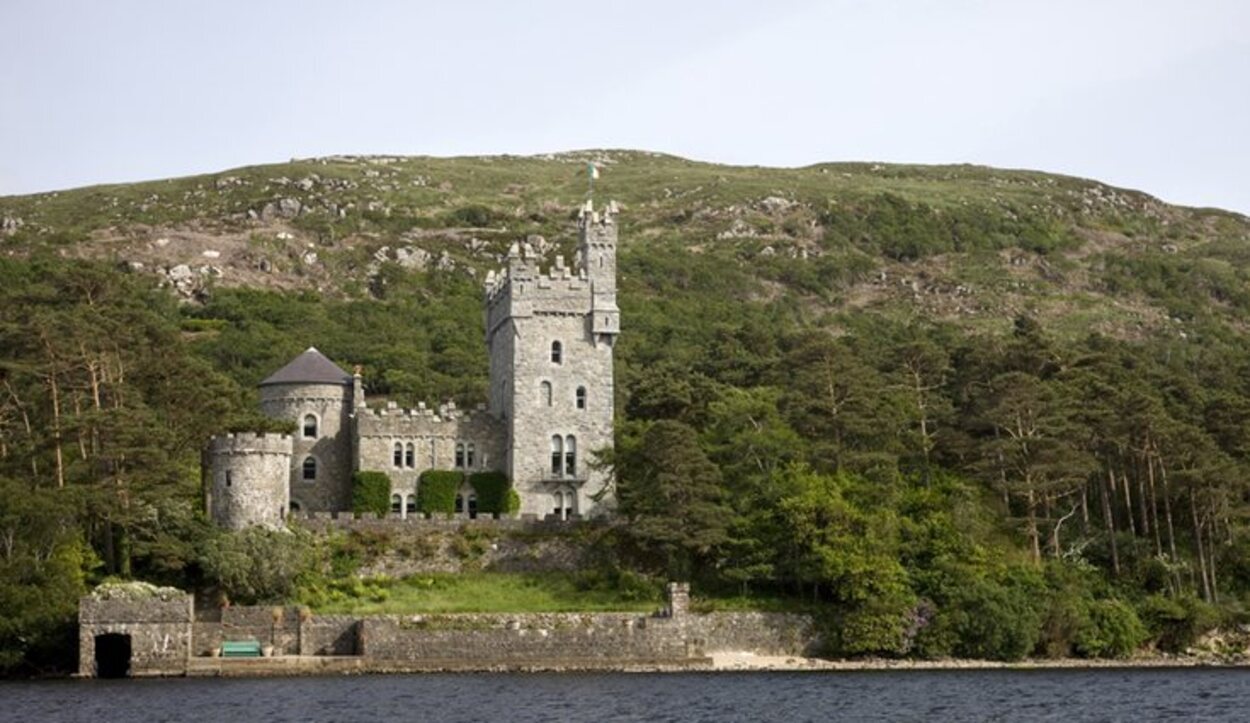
{"x": 749, "y": 662}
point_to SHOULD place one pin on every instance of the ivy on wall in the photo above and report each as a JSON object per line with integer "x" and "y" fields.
{"x": 371, "y": 492}
{"x": 436, "y": 491}
{"x": 494, "y": 493}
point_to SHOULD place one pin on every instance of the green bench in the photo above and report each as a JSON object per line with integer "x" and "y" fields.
{"x": 240, "y": 649}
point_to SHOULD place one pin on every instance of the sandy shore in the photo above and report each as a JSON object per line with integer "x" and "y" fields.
{"x": 749, "y": 661}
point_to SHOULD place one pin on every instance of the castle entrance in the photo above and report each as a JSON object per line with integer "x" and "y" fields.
{"x": 112, "y": 655}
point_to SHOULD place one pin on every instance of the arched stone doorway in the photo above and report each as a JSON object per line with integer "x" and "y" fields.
{"x": 112, "y": 655}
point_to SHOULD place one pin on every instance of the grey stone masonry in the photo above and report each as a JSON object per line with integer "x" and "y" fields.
{"x": 157, "y": 624}
{"x": 551, "y": 339}
{"x": 248, "y": 474}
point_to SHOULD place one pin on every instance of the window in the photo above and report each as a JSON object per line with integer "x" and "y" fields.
{"x": 470, "y": 451}
{"x": 459, "y": 455}
{"x": 398, "y": 457}
{"x": 570, "y": 456}
{"x": 472, "y": 507}
{"x": 411, "y": 504}
{"x": 228, "y": 479}
{"x": 310, "y": 426}
{"x": 410, "y": 456}
{"x": 565, "y": 504}
{"x": 397, "y": 504}
{"x": 544, "y": 393}
{"x": 310, "y": 469}
{"x": 557, "y": 456}
{"x": 295, "y": 506}
{"x": 459, "y": 504}
{"x": 557, "y": 353}
{"x": 581, "y": 397}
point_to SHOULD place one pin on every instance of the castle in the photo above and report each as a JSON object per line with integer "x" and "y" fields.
{"x": 550, "y": 338}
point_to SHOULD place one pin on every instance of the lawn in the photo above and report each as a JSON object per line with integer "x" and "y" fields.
{"x": 482, "y": 592}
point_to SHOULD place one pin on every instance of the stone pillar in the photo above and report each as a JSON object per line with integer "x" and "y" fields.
{"x": 678, "y": 600}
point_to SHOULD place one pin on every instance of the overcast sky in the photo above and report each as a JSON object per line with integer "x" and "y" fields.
{"x": 1149, "y": 94}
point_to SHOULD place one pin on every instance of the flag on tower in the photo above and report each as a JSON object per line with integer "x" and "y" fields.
{"x": 594, "y": 171}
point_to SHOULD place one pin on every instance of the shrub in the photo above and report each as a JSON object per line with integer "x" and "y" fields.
{"x": 1175, "y": 623}
{"x": 492, "y": 489}
{"x": 436, "y": 491}
{"x": 371, "y": 492}
{"x": 1112, "y": 630}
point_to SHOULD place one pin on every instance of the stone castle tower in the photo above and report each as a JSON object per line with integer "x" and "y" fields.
{"x": 247, "y": 483}
{"x": 550, "y": 337}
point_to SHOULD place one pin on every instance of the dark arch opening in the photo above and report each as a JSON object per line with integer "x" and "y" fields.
{"x": 112, "y": 655}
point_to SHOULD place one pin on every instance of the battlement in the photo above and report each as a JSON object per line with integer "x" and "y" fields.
{"x": 251, "y": 443}
{"x": 589, "y": 219}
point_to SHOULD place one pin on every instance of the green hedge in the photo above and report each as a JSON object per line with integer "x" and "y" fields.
{"x": 494, "y": 493}
{"x": 371, "y": 492}
{"x": 436, "y": 491}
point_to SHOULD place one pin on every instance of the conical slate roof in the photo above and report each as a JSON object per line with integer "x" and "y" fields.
{"x": 311, "y": 367}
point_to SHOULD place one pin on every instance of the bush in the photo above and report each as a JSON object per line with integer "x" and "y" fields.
{"x": 436, "y": 491}
{"x": 1175, "y": 623}
{"x": 371, "y": 492}
{"x": 258, "y": 565}
{"x": 1112, "y": 630}
{"x": 985, "y": 620}
{"x": 494, "y": 492}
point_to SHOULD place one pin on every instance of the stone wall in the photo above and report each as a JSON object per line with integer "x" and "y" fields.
{"x": 419, "y": 546}
{"x": 249, "y": 476}
{"x": 433, "y": 436}
{"x": 160, "y": 631}
{"x": 477, "y": 641}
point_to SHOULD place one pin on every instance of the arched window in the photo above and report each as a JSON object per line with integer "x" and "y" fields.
{"x": 570, "y": 456}
{"x": 565, "y": 504}
{"x": 581, "y": 397}
{"x": 411, "y": 504}
{"x": 544, "y": 393}
{"x": 228, "y": 478}
{"x": 557, "y": 353}
{"x": 459, "y": 455}
{"x": 557, "y": 456}
{"x": 470, "y": 451}
{"x": 397, "y": 504}
{"x": 558, "y": 498}
{"x": 410, "y": 456}
{"x": 472, "y": 506}
{"x": 459, "y": 504}
{"x": 310, "y": 469}
{"x": 310, "y": 426}
{"x": 398, "y": 457}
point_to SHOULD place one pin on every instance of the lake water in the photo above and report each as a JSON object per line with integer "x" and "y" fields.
{"x": 957, "y": 695}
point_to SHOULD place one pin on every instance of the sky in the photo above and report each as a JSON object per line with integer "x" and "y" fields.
{"x": 1148, "y": 94}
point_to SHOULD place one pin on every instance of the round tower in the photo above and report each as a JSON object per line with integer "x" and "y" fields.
{"x": 249, "y": 480}
{"x": 319, "y": 397}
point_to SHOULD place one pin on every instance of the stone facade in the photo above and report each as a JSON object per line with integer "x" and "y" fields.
{"x": 148, "y": 634}
{"x": 551, "y": 338}
{"x": 248, "y": 483}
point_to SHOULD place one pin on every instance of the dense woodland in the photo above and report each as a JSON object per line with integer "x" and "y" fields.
{"x": 927, "y": 487}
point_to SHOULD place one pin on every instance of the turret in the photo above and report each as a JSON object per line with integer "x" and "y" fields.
{"x": 249, "y": 475}
{"x": 597, "y": 255}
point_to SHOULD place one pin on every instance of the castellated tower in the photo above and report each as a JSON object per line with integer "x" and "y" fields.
{"x": 319, "y": 397}
{"x": 551, "y": 338}
{"x": 248, "y": 476}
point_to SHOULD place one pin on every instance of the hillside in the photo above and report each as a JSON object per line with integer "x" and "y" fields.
{"x": 967, "y": 244}
{"x": 953, "y": 410}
